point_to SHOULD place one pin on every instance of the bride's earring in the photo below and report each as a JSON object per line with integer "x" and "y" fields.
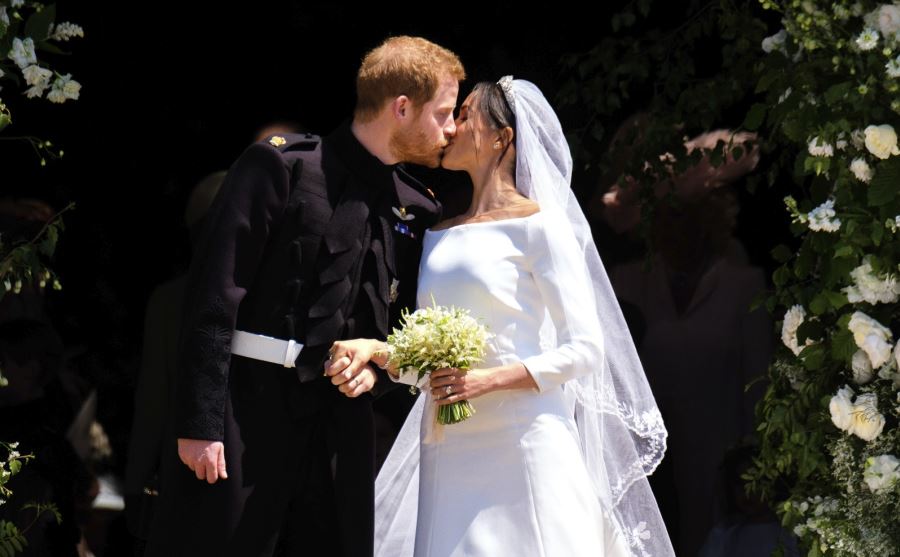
{"x": 497, "y": 145}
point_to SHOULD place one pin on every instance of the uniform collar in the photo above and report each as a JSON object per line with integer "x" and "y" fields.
{"x": 357, "y": 158}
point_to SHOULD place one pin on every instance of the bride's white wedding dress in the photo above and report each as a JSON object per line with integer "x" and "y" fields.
{"x": 511, "y": 480}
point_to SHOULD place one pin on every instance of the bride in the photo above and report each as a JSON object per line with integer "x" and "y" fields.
{"x": 554, "y": 462}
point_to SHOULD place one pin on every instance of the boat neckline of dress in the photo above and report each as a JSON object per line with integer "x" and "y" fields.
{"x": 467, "y": 224}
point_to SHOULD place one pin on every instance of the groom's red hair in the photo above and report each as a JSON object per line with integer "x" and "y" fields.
{"x": 410, "y": 66}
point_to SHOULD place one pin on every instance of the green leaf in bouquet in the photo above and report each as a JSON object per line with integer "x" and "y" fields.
{"x": 838, "y": 92}
{"x": 38, "y": 25}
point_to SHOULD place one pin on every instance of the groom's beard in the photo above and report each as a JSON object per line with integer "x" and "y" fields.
{"x": 412, "y": 145}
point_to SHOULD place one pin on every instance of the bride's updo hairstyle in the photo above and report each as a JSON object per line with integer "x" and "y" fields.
{"x": 492, "y": 106}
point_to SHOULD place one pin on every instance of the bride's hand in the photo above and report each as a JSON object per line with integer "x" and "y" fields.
{"x": 449, "y": 385}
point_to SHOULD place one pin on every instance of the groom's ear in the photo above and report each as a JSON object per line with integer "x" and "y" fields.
{"x": 401, "y": 107}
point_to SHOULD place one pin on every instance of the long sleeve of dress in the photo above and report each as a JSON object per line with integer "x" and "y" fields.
{"x": 561, "y": 275}
{"x": 234, "y": 237}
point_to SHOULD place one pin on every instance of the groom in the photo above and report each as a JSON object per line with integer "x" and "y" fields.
{"x": 309, "y": 241}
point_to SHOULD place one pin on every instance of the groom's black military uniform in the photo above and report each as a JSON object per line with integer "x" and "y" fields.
{"x": 308, "y": 240}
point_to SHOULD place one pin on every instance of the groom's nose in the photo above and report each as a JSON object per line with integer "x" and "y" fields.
{"x": 450, "y": 129}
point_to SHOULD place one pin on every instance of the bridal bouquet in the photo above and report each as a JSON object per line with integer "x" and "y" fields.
{"x": 437, "y": 337}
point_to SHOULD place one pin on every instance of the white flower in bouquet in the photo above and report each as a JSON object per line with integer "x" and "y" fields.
{"x": 868, "y": 39}
{"x": 872, "y": 337}
{"x": 784, "y": 96}
{"x": 819, "y": 148}
{"x": 35, "y": 91}
{"x": 4, "y": 17}
{"x": 881, "y": 141}
{"x": 892, "y": 67}
{"x": 17, "y": 3}
{"x": 65, "y": 31}
{"x": 37, "y": 76}
{"x": 885, "y": 18}
{"x": 862, "y": 368}
{"x": 22, "y": 52}
{"x": 437, "y": 337}
{"x": 861, "y": 169}
{"x": 823, "y": 218}
{"x": 793, "y": 318}
{"x": 872, "y": 288}
{"x": 858, "y": 138}
{"x": 64, "y": 88}
{"x": 868, "y": 422}
{"x": 881, "y": 473}
{"x": 841, "y": 142}
{"x": 841, "y": 408}
{"x": 775, "y": 42}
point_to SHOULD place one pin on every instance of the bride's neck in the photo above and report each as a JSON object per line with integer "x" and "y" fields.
{"x": 494, "y": 190}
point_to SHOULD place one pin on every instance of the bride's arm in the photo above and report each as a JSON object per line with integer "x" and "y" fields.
{"x": 561, "y": 275}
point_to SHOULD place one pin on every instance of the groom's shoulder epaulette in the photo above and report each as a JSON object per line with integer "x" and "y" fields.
{"x": 289, "y": 142}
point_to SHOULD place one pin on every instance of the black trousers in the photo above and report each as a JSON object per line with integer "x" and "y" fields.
{"x": 299, "y": 484}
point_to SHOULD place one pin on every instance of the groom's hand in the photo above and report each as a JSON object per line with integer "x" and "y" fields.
{"x": 352, "y": 377}
{"x": 205, "y": 458}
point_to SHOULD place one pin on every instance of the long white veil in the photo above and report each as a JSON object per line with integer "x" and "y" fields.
{"x": 621, "y": 431}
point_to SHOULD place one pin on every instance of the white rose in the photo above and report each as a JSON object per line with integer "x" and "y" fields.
{"x": 793, "y": 318}
{"x": 872, "y": 337}
{"x": 888, "y": 17}
{"x": 871, "y": 287}
{"x": 841, "y": 408}
{"x": 861, "y": 169}
{"x": 881, "y": 472}
{"x": 867, "y": 420}
{"x": 881, "y": 141}
{"x": 862, "y": 368}
{"x": 877, "y": 348}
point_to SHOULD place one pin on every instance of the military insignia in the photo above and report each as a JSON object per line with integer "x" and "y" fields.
{"x": 394, "y": 290}
{"x": 277, "y": 141}
{"x": 403, "y": 229}
{"x": 402, "y": 214}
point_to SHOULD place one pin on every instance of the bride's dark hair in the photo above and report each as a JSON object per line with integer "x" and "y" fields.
{"x": 495, "y": 109}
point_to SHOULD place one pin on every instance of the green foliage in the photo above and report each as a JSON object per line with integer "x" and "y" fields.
{"x": 824, "y": 99}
